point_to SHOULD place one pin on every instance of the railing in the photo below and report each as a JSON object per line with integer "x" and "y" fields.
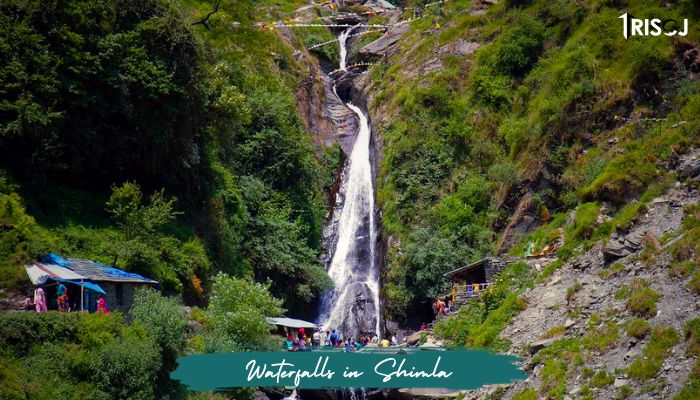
{"x": 471, "y": 289}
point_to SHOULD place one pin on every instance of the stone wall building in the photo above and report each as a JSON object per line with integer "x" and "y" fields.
{"x": 86, "y": 281}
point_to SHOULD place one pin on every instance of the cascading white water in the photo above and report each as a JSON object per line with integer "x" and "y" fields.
{"x": 342, "y": 41}
{"x": 353, "y": 306}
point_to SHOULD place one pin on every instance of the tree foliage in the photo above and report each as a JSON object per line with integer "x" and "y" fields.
{"x": 238, "y": 311}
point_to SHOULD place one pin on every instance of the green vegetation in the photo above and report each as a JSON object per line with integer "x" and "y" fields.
{"x": 624, "y": 392}
{"x": 535, "y": 110}
{"x": 612, "y": 270}
{"x": 641, "y": 299}
{"x": 237, "y": 314}
{"x": 638, "y": 328}
{"x": 553, "y": 332}
{"x": 526, "y": 394}
{"x": 102, "y": 356}
{"x": 642, "y": 302}
{"x": 691, "y": 332}
{"x": 93, "y": 355}
{"x": 654, "y": 353}
{"x": 602, "y": 338}
{"x": 601, "y": 379}
{"x": 21, "y": 239}
{"x": 204, "y": 115}
{"x": 480, "y": 323}
{"x": 553, "y": 378}
{"x": 134, "y": 138}
{"x": 686, "y": 250}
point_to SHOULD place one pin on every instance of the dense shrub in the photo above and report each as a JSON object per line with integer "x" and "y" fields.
{"x": 238, "y": 311}
{"x": 517, "y": 48}
{"x": 126, "y": 87}
{"x": 21, "y": 238}
{"x": 78, "y": 355}
{"x": 19, "y": 332}
{"x": 165, "y": 321}
{"x": 127, "y": 367}
{"x": 489, "y": 88}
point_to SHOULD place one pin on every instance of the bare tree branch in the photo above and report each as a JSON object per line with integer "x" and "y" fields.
{"x": 204, "y": 20}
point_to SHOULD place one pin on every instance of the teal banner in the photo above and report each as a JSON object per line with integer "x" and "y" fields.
{"x": 385, "y": 368}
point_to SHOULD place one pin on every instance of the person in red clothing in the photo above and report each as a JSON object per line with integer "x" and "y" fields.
{"x": 102, "y": 305}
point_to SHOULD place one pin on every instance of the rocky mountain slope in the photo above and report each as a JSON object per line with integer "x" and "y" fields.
{"x": 581, "y": 308}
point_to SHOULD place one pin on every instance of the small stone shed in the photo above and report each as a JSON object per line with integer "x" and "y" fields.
{"x": 90, "y": 278}
{"x": 481, "y": 271}
{"x": 468, "y": 280}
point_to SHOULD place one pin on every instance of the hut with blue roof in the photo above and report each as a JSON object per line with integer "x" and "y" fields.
{"x": 86, "y": 280}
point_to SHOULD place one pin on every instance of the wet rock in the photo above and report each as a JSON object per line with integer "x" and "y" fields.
{"x": 320, "y": 394}
{"x": 314, "y": 101}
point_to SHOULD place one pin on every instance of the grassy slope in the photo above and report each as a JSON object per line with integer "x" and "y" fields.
{"x": 536, "y": 107}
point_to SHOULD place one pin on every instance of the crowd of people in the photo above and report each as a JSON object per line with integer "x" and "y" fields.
{"x": 39, "y": 301}
{"x": 300, "y": 341}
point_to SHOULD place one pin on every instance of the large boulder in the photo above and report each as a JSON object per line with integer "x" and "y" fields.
{"x": 621, "y": 246}
{"x": 541, "y": 344}
{"x": 413, "y": 339}
{"x": 690, "y": 165}
{"x": 385, "y": 45}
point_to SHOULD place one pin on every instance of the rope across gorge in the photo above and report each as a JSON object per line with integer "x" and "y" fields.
{"x": 308, "y": 24}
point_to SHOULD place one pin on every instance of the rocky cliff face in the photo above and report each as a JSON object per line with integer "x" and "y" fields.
{"x": 582, "y": 297}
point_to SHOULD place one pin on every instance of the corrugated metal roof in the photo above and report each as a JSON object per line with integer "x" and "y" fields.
{"x": 77, "y": 269}
{"x": 38, "y": 273}
{"x": 291, "y": 322}
{"x": 98, "y": 272}
{"x": 466, "y": 267}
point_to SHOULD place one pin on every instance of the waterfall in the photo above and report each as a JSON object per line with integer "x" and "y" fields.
{"x": 342, "y": 41}
{"x": 353, "y": 306}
